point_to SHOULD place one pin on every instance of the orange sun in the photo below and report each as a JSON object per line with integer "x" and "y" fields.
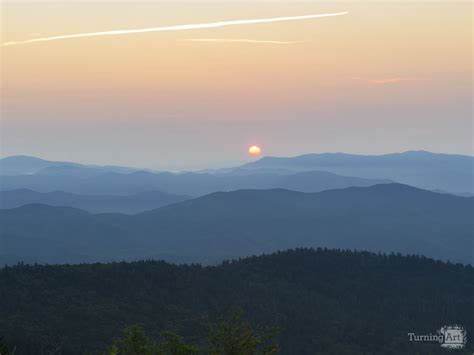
{"x": 254, "y": 150}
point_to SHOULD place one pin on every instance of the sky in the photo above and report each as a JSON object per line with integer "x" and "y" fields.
{"x": 385, "y": 77}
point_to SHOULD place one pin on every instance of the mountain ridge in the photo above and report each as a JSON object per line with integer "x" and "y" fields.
{"x": 129, "y": 204}
{"x": 453, "y": 173}
{"x": 432, "y": 171}
{"x": 223, "y": 225}
{"x": 193, "y": 184}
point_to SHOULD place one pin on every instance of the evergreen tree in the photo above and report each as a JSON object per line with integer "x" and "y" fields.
{"x": 173, "y": 344}
{"x": 234, "y": 336}
{"x": 134, "y": 342}
{"x": 3, "y": 347}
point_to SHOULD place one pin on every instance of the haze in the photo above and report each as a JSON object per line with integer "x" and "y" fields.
{"x": 384, "y": 78}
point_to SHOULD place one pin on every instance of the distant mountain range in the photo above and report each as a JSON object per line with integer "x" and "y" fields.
{"x": 136, "y": 203}
{"x": 386, "y": 217}
{"x": 192, "y": 184}
{"x": 307, "y": 173}
{"x": 448, "y": 172}
{"x": 25, "y": 165}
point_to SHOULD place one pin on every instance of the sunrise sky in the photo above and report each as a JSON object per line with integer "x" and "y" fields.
{"x": 387, "y": 76}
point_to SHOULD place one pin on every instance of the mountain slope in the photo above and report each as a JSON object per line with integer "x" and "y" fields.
{"x": 388, "y": 217}
{"x": 60, "y": 234}
{"x": 450, "y": 172}
{"x": 92, "y": 203}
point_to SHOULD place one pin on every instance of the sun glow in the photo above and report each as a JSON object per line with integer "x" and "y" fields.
{"x": 254, "y": 150}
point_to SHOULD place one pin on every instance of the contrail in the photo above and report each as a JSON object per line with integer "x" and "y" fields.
{"x": 238, "y": 40}
{"x": 175, "y": 28}
{"x": 391, "y": 80}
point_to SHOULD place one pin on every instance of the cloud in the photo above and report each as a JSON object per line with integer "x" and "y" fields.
{"x": 391, "y": 80}
{"x": 239, "y": 40}
{"x": 175, "y": 28}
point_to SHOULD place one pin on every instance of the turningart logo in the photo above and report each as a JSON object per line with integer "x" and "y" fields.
{"x": 454, "y": 337}
{"x": 448, "y": 336}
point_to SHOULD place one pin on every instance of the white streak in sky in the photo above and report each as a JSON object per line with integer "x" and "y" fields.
{"x": 391, "y": 80}
{"x": 176, "y": 28}
{"x": 238, "y": 40}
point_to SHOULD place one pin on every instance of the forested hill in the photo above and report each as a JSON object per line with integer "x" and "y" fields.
{"x": 322, "y": 301}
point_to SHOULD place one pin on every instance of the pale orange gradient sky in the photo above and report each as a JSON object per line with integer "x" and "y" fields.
{"x": 386, "y": 77}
